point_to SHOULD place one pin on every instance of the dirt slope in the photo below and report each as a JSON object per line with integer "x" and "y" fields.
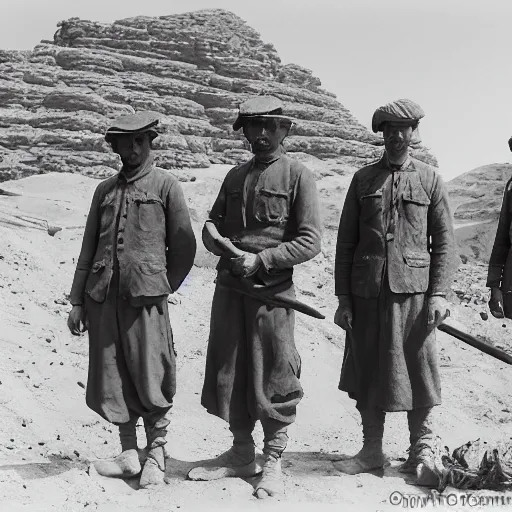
{"x": 48, "y": 436}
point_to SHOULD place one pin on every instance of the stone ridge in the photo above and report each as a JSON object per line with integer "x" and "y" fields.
{"x": 194, "y": 69}
{"x": 476, "y": 196}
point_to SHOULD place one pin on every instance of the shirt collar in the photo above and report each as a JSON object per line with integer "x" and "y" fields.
{"x": 395, "y": 167}
{"x": 144, "y": 168}
{"x": 269, "y": 159}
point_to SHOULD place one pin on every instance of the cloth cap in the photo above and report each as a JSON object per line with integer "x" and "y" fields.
{"x": 139, "y": 122}
{"x": 260, "y": 106}
{"x": 400, "y": 110}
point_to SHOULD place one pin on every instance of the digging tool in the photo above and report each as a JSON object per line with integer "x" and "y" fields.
{"x": 50, "y": 228}
{"x": 476, "y": 343}
{"x": 273, "y": 296}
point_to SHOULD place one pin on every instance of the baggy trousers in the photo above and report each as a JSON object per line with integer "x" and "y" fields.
{"x": 252, "y": 365}
{"x": 132, "y": 366}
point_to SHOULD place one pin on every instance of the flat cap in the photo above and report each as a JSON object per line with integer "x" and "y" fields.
{"x": 397, "y": 111}
{"x": 139, "y": 122}
{"x": 260, "y": 106}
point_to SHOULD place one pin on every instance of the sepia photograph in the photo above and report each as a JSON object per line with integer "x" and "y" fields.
{"x": 255, "y": 256}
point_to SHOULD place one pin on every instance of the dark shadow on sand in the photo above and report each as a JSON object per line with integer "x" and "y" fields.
{"x": 37, "y": 470}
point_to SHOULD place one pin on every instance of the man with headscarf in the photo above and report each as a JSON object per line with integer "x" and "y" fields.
{"x": 394, "y": 265}
{"x": 499, "y": 273}
{"x": 268, "y": 208}
{"x": 138, "y": 247}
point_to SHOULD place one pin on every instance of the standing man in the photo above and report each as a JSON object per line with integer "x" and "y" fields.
{"x": 268, "y": 208}
{"x": 138, "y": 247}
{"x": 394, "y": 265}
{"x": 499, "y": 274}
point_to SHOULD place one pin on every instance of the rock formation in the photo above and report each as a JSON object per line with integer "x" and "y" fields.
{"x": 476, "y": 198}
{"x": 193, "y": 68}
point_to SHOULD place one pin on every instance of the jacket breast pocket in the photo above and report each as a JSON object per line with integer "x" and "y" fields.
{"x": 371, "y": 206}
{"x": 415, "y": 203}
{"x": 272, "y": 206}
{"x": 150, "y": 211}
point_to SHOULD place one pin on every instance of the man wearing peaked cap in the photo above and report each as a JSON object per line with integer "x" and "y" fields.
{"x": 141, "y": 122}
{"x": 138, "y": 247}
{"x": 268, "y": 209}
{"x": 394, "y": 265}
{"x": 266, "y": 107}
{"x": 400, "y": 111}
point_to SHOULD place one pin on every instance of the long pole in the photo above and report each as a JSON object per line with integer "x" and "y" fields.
{"x": 476, "y": 343}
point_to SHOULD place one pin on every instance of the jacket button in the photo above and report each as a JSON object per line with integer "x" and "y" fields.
{"x": 120, "y": 241}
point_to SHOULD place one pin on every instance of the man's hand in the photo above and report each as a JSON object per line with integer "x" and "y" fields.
{"x": 496, "y": 303}
{"x": 343, "y": 315}
{"x": 77, "y": 320}
{"x": 438, "y": 311}
{"x": 245, "y": 265}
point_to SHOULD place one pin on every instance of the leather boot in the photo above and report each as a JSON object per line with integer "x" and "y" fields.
{"x": 371, "y": 456}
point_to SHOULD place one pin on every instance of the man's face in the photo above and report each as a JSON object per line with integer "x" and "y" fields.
{"x": 397, "y": 137}
{"x": 265, "y": 133}
{"x": 132, "y": 148}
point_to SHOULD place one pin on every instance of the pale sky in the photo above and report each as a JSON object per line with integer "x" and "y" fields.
{"x": 451, "y": 56}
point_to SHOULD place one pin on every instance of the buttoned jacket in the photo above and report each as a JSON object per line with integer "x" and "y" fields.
{"x": 141, "y": 227}
{"x": 416, "y": 246}
{"x": 279, "y": 219}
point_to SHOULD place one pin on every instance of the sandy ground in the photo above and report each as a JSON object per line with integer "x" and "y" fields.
{"x": 48, "y": 436}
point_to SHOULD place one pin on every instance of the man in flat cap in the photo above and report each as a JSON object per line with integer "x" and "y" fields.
{"x": 394, "y": 264}
{"x": 138, "y": 247}
{"x": 268, "y": 209}
{"x": 499, "y": 273}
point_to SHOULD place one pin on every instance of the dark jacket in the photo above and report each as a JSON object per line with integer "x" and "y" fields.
{"x": 499, "y": 273}
{"x": 366, "y": 243}
{"x": 282, "y": 220}
{"x": 142, "y": 226}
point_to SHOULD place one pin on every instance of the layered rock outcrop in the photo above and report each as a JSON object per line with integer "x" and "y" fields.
{"x": 476, "y": 198}
{"x": 194, "y": 69}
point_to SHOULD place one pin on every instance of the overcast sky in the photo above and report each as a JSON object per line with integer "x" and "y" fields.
{"x": 450, "y": 56}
